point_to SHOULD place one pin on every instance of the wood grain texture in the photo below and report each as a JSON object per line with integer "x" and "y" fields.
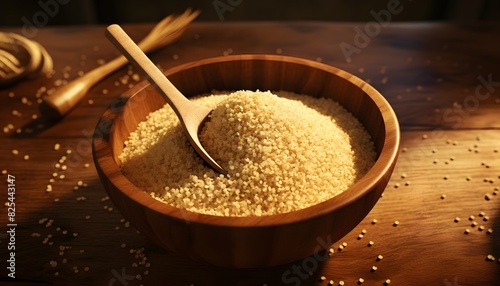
{"x": 428, "y": 72}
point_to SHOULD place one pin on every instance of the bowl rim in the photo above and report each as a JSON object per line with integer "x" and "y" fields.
{"x": 383, "y": 165}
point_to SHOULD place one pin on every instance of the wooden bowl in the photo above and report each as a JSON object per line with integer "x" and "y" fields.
{"x": 244, "y": 242}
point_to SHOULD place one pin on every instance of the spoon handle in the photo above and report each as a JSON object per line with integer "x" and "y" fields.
{"x": 179, "y": 103}
{"x": 66, "y": 97}
{"x": 191, "y": 115}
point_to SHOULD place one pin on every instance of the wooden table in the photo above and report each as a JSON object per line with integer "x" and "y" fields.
{"x": 442, "y": 80}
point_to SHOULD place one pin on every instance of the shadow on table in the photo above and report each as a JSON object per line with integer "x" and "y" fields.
{"x": 34, "y": 127}
{"x": 80, "y": 238}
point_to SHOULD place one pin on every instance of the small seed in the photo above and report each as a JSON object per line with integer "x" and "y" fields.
{"x": 361, "y": 280}
{"x": 374, "y": 268}
{"x": 396, "y": 223}
{"x": 371, "y": 243}
{"x": 380, "y": 257}
{"x": 467, "y": 231}
{"x": 443, "y": 196}
{"x": 489, "y": 231}
{"x": 387, "y": 282}
{"x": 457, "y": 219}
{"x": 480, "y": 228}
{"x": 471, "y": 218}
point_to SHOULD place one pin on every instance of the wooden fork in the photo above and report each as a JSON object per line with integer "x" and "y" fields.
{"x": 63, "y": 100}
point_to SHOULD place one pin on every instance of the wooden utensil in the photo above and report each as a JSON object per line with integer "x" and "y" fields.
{"x": 61, "y": 102}
{"x": 191, "y": 115}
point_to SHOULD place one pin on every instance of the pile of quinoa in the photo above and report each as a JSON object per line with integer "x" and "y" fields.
{"x": 282, "y": 152}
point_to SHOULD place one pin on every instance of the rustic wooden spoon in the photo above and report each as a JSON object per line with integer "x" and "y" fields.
{"x": 191, "y": 115}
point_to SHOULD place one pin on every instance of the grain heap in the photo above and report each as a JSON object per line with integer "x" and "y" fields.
{"x": 282, "y": 153}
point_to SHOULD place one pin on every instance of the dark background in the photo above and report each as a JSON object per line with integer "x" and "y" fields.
{"x": 77, "y": 12}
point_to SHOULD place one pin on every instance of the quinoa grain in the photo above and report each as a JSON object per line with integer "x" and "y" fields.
{"x": 264, "y": 141}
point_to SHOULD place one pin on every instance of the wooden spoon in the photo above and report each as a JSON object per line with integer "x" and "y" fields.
{"x": 191, "y": 115}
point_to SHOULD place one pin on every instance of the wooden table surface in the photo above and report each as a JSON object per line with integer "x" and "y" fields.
{"x": 442, "y": 80}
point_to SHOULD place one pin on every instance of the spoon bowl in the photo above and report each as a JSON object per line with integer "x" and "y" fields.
{"x": 191, "y": 115}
